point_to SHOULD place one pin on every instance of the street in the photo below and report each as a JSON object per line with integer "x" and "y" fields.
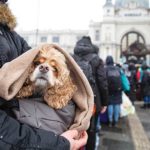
{"x": 132, "y": 132}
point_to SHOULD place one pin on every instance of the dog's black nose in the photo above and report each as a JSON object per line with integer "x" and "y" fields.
{"x": 44, "y": 68}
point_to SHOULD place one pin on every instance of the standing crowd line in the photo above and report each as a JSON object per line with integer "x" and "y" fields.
{"x": 112, "y": 83}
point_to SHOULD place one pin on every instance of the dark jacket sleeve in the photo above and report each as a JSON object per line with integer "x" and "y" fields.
{"x": 20, "y": 43}
{"x": 24, "y": 45}
{"x": 102, "y": 83}
{"x": 21, "y": 136}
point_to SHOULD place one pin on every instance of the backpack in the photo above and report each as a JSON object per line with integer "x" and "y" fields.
{"x": 114, "y": 79}
{"x": 86, "y": 67}
{"x": 125, "y": 82}
{"x": 146, "y": 78}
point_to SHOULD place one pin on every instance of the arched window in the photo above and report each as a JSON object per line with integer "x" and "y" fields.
{"x": 133, "y": 45}
{"x": 130, "y": 38}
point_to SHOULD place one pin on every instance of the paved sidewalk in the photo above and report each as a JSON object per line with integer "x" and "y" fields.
{"x": 116, "y": 138}
{"x": 131, "y": 133}
{"x": 144, "y": 116}
{"x": 139, "y": 136}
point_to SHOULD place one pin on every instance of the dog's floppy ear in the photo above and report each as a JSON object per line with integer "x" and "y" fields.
{"x": 58, "y": 96}
{"x": 27, "y": 88}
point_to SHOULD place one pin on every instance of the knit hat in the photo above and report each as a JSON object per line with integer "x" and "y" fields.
{"x": 84, "y": 46}
{"x": 3, "y": 1}
{"x": 85, "y": 40}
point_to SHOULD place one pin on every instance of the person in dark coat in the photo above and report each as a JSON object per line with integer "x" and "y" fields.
{"x": 84, "y": 49}
{"x": 15, "y": 135}
{"x": 115, "y": 97}
{"x": 132, "y": 80}
{"x": 145, "y": 86}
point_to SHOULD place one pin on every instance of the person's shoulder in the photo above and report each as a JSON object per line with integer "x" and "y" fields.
{"x": 96, "y": 58}
{"x": 118, "y": 68}
{"x": 75, "y": 57}
{"x": 15, "y": 33}
{"x": 113, "y": 67}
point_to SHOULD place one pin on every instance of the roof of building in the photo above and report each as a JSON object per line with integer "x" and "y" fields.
{"x": 125, "y": 3}
{"x": 108, "y": 3}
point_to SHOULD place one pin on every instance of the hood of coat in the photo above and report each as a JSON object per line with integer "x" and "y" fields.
{"x": 13, "y": 74}
{"x": 6, "y": 16}
{"x": 109, "y": 60}
{"x": 84, "y": 46}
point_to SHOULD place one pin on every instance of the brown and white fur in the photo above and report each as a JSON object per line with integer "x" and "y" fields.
{"x": 49, "y": 75}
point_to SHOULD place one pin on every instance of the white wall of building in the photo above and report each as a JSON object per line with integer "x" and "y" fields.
{"x": 64, "y": 38}
{"x": 106, "y": 34}
{"x": 115, "y": 25}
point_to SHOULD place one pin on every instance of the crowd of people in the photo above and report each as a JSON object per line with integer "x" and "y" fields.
{"x": 107, "y": 79}
{"x": 139, "y": 77}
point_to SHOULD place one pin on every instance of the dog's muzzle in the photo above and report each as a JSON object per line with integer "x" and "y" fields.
{"x": 43, "y": 68}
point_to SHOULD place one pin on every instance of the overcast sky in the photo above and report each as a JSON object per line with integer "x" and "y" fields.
{"x": 56, "y": 14}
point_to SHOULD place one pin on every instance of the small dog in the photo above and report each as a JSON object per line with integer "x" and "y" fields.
{"x": 50, "y": 77}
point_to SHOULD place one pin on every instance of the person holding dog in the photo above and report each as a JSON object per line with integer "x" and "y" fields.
{"x": 13, "y": 134}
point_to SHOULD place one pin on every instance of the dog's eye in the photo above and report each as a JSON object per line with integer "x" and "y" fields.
{"x": 55, "y": 69}
{"x": 36, "y": 63}
{"x": 39, "y": 61}
{"x": 42, "y": 60}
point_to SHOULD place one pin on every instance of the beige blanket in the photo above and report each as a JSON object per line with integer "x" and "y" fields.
{"x": 14, "y": 73}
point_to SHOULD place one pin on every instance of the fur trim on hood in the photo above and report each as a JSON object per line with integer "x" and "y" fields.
{"x": 13, "y": 74}
{"x": 6, "y": 16}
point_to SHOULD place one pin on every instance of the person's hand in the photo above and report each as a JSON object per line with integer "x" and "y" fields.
{"x": 75, "y": 142}
{"x": 103, "y": 109}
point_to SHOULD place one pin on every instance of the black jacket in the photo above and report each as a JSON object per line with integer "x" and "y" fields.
{"x": 145, "y": 84}
{"x": 14, "y": 135}
{"x": 114, "y": 97}
{"x": 11, "y": 45}
{"x": 85, "y": 49}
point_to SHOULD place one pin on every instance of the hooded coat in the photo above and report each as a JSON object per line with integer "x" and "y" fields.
{"x": 114, "y": 98}
{"x": 14, "y": 135}
{"x": 85, "y": 49}
{"x": 145, "y": 84}
{"x": 132, "y": 81}
{"x": 11, "y": 44}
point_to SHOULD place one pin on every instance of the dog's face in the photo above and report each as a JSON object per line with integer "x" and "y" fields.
{"x": 50, "y": 68}
{"x": 49, "y": 77}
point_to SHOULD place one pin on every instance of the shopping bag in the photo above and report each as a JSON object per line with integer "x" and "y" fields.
{"x": 126, "y": 107}
{"x": 104, "y": 117}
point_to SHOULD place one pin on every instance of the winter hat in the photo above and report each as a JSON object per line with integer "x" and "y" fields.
{"x": 84, "y": 46}
{"x": 3, "y": 1}
{"x": 85, "y": 40}
{"x": 131, "y": 66}
{"x": 109, "y": 60}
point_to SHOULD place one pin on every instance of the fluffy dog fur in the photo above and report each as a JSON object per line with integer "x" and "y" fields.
{"x": 50, "y": 76}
